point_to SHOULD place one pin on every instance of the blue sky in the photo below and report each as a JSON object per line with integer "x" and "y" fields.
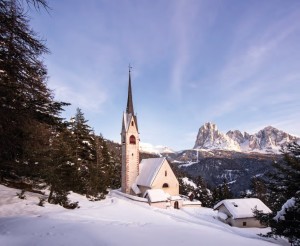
{"x": 235, "y": 63}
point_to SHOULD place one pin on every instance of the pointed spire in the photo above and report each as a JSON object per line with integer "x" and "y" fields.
{"x": 129, "y": 109}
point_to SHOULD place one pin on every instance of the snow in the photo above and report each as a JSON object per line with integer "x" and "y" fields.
{"x": 157, "y": 195}
{"x": 135, "y": 188}
{"x": 148, "y": 171}
{"x": 190, "y": 163}
{"x": 186, "y": 181}
{"x": 158, "y": 149}
{"x": 222, "y": 216}
{"x": 288, "y": 204}
{"x": 243, "y": 208}
{"x": 115, "y": 221}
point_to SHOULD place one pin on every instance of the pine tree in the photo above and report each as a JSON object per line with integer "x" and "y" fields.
{"x": 284, "y": 197}
{"x": 100, "y": 173}
{"x": 25, "y": 100}
{"x": 58, "y": 168}
{"x": 221, "y": 192}
{"x": 259, "y": 189}
{"x": 84, "y": 151}
{"x": 202, "y": 193}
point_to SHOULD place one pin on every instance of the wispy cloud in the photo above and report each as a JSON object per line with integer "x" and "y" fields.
{"x": 182, "y": 21}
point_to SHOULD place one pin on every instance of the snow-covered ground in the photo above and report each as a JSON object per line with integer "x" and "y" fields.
{"x": 114, "y": 221}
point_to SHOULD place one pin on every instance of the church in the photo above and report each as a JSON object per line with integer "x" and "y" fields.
{"x": 153, "y": 178}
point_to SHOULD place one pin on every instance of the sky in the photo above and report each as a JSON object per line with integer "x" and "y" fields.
{"x": 234, "y": 63}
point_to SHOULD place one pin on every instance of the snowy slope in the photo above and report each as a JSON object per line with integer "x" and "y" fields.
{"x": 114, "y": 221}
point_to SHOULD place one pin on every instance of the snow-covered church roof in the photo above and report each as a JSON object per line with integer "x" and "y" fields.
{"x": 243, "y": 208}
{"x": 149, "y": 168}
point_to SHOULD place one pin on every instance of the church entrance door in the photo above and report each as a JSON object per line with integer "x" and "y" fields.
{"x": 176, "y": 205}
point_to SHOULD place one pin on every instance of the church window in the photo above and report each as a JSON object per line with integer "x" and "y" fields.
{"x": 166, "y": 173}
{"x": 165, "y": 185}
{"x": 132, "y": 123}
{"x": 132, "y": 140}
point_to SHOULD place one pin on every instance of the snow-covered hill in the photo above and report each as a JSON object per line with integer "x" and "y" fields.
{"x": 159, "y": 149}
{"x": 114, "y": 221}
{"x": 267, "y": 140}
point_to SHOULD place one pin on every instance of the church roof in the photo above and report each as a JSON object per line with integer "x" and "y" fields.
{"x": 127, "y": 120}
{"x": 148, "y": 170}
{"x": 129, "y": 108}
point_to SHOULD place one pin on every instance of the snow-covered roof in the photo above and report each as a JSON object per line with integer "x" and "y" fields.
{"x": 148, "y": 171}
{"x": 156, "y": 195}
{"x": 243, "y": 208}
{"x": 136, "y": 189}
{"x": 175, "y": 198}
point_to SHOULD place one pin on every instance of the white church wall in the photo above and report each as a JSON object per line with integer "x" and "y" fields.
{"x": 166, "y": 176}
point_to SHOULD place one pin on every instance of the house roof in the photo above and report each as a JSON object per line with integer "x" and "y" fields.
{"x": 243, "y": 208}
{"x": 148, "y": 171}
{"x": 156, "y": 195}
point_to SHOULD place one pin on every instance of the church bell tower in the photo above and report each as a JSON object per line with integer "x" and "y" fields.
{"x": 130, "y": 145}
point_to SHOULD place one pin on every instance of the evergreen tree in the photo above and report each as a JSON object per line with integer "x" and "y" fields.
{"x": 221, "y": 192}
{"x": 59, "y": 167}
{"x": 284, "y": 197}
{"x": 25, "y": 100}
{"x": 259, "y": 189}
{"x": 202, "y": 193}
{"x": 84, "y": 151}
{"x": 100, "y": 173}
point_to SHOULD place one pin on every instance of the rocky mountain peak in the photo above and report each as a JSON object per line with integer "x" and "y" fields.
{"x": 267, "y": 140}
{"x": 209, "y": 137}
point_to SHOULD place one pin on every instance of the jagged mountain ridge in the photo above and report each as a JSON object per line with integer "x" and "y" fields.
{"x": 267, "y": 140}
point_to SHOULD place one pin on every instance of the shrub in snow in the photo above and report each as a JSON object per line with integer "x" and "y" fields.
{"x": 97, "y": 197}
{"x": 21, "y": 195}
{"x": 62, "y": 199}
{"x": 42, "y": 201}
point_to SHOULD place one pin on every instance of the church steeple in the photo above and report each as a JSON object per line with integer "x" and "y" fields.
{"x": 130, "y": 145}
{"x": 129, "y": 109}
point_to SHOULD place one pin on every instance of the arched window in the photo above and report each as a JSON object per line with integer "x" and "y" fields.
{"x": 166, "y": 173}
{"x": 132, "y": 123}
{"x": 132, "y": 140}
{"x": 165, "y": 185}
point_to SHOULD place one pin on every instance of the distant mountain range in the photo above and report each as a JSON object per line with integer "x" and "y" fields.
{"x": 267, "y": 140}
{"x": 159, "y": 149}
{"x": 234, "y": 157}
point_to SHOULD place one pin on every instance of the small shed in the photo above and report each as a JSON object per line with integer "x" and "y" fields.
{"x": 239, "y": 212}
{"x": 157, "y": 198}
